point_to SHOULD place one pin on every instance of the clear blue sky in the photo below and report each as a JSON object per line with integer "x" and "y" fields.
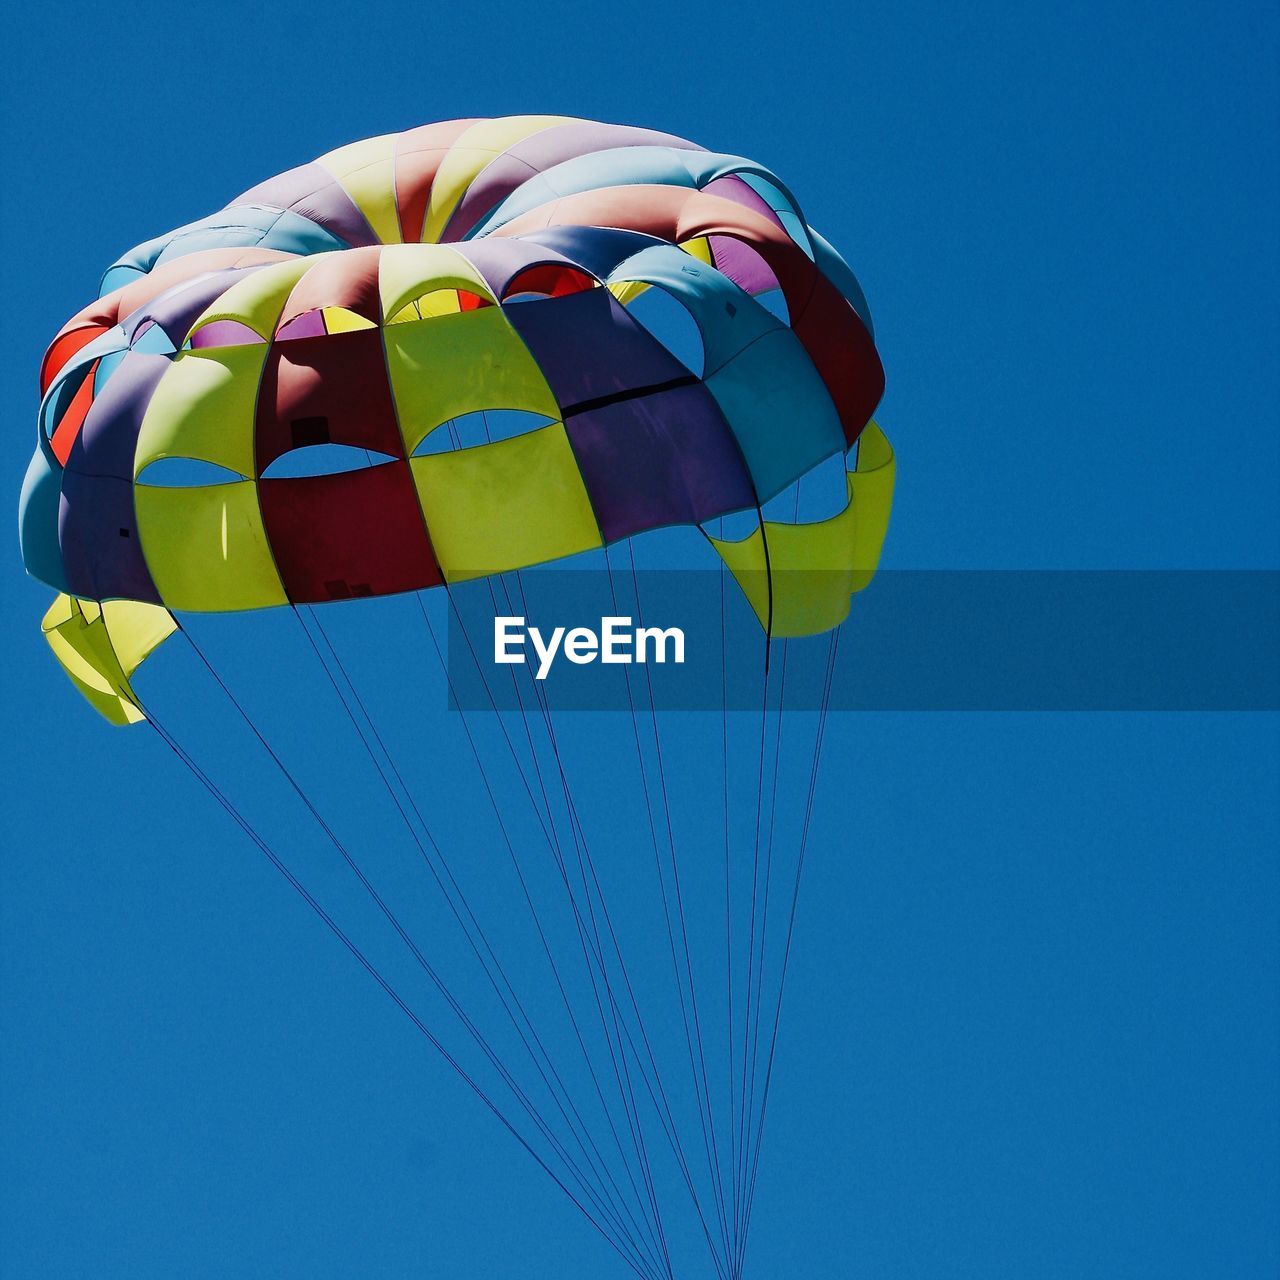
{"x": 1034, "y": 1022}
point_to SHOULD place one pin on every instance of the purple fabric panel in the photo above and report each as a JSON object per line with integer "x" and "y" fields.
{"x": 667, "y": 458}
{"x": 312, "y": 191}
{"x": 731, "y": 188}
{"x": 535, "y": 154}
{"x": 588, "y": 346}
{"x": 495, "y": 182}
{"x": 499, "y": 259}
{"x": 98, "y": 537}
{"x": 310, "y": 324}
{"x": 742, "y": 264}
{"x": 224, "y": 333}
{"x": 177, "y": 309}
{"x": 108, "y": 440}
{"x": 734, "y": 259}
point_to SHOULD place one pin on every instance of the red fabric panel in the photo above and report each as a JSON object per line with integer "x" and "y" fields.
{"x": 417, "y": 159}
{"x": 551, "y": 279}
{"x": 358, "y": 533}
{"x": 332, "y": 389}
{"x": 64, "y": 434}
{"x": 63, "y": 347}
{"x": 843, "y": 353}
{"x": 348, "y": 279}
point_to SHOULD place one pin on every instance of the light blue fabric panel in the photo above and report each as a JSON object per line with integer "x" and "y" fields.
{"x": 779, "y": 409}
{"x": 728, "y": 317}
{"x": 781, "y": 201}
{"x": 106, "y": 368}
{"x": 243, "y": 227}
{"x": 38, "y": 519}
{"x": 759, "y": 373}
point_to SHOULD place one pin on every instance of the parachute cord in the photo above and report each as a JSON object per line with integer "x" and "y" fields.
{"x": 622, "y": 1071}
{"x": 679, "y": 897}
{"x": 538, "y": 925}
{"x": 824, "y": 709}
{"x": 660, "y": 1099}
{"x": 728, "y": 903}
{"x": 404, "y": 936}
{"x": 598, "y": 1165}
{"x": 692, "y": 1031}
{"x": 754, "y": 1054}
{"x": 556, "y": 848}
{"x": 739, "y": 1171}
{"x": 553, "y": 846}
{"x": 232, "y": 811}
{"x": 653, "y": 1084}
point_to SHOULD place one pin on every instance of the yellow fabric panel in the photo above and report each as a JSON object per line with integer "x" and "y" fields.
{"x": 871, "y": 496}
{"x": 802, "y": 586}
{"x": 258, "y": 298}
{"x": 451, "y": 365}
{"x": 407, "y": 271}
{"x": 627, "y": 290}
{"x": 439, "y": 302}
{"x": 206, "y": 547}
{"x": 367, "y": 172}
{"x": 340, "y": 320}
{"x": 507, "y": 505}
{"x": 699, "y": 248}
{"x": 135, "y": 629}
{"x": 204, "y": 407}
{"x": 99, "y": 648}
{"x": 470, "y": 153}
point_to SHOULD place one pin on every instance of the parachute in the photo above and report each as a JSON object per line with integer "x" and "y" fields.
{"x": 450, "y": 360}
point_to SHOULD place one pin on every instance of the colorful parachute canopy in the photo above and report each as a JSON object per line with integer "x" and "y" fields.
{"x": 438, "y": 356}
{"x": 398, "y": 284}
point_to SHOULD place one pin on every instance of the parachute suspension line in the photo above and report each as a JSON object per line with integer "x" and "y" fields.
{"x": 660, "y": 1100}
{"x": 495, "y": 1061}
{"x": 751, "y": 1030}
{"x": 232, "y": 811}
{"x": 739, "y": 1131}
{"x": 758, "y": 957}
{"x": 692, "y": 1030}
{"x": 555, "y": 848}
{"x": 622, "y": 1071}
{"x": 728, "y": 902}
{"x": 820, "y": 737}
{"x": 668, "y": 1121}
{"x": 739, "y": 1170}
{"x": 587, "y": 868}
{"x": 684, "y": 932}
{"x": 552, "y": 848}
{"x": 653, "y": 1084}
{"x": 552, "y": 840}
{"x": 471, "y": 927}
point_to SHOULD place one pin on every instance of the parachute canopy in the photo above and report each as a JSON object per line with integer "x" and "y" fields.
{"x": 444, "y": 357}
{"x": 356, "y": 306}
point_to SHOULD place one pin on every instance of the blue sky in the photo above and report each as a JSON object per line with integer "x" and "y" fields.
{"x": 1033, "y": 1026}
